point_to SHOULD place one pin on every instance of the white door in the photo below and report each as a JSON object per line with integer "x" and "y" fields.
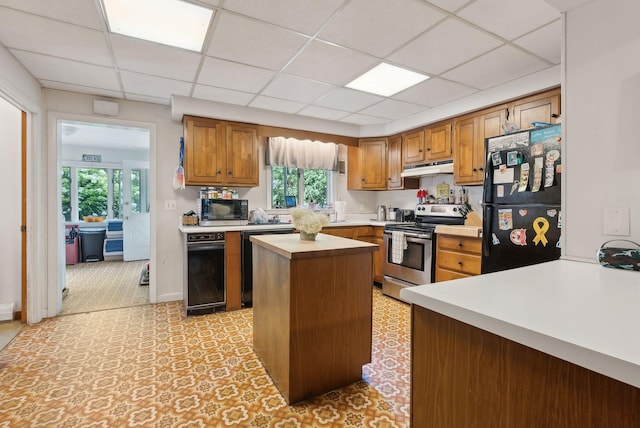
{"x": 135, "y": 210}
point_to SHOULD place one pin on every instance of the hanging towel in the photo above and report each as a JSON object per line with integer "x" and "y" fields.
{"x": 398, "y": 245}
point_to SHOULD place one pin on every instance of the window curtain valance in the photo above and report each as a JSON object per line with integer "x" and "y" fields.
{"x": 304, "y": 154}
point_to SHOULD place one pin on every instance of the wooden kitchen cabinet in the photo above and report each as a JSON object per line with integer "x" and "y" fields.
{"x": 438, "y": 143}
{"x": 543, "y": 107}
{"x": 413, "y": 148}
{"x": 468, "y": 146}
{"x": 373, "y": 163}
{"x": 395, "y": 166}
{"x": 457, "y": 257}
{"x": 219, "y": 153}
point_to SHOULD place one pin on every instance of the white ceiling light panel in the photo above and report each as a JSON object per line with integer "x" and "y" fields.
{"x": 170, "y": 22}
{"x": 386, "y": 80}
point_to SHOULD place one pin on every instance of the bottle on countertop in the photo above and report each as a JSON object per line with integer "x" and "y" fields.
{"x": 452, "y": 198}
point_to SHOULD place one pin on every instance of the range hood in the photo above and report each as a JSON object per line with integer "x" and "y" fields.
{"x": 442, "y": 167}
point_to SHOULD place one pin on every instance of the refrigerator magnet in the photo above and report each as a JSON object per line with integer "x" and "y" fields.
{"x": 519, "y": 237}
{"x": 548, "y": 173}
{"x": 500, "y": 191}
{"x": 522, "y": 213}
{"x": 494, "y": 239}
{"x": 552, "y": 213}
{"x": 537, "y": 174}
{"x": 524, "y": 177}
{"x": 503, "y": 177}
{"x": 505, "y": 219}
{"x": 540, "y": 227}
{"x": 496, "y": 159}
{"x": 537, "y": 150}
{"x": 512, "y": 158}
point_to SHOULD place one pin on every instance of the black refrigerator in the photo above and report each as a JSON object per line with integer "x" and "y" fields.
{"x": 522, "y": 218}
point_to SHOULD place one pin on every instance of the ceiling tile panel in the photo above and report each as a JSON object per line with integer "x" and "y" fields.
{"x": 152, "y": 58}
{"x": 499, "y": 66}
{"x": 225, "y": 74}
{"x": 378, "y": 27}
{"x": 305, "y": 16}
{"x": 79, "y": 12}
{"x": 248, "y": 41}
{"x": 544, "y": 42}
{"x": 295, "y": 88}
{"x": 143, "y": 84}
{"x": 329, "y": 63}
{"x": 392, "y": 109}
{"x": 348, "y": 99}
{"x": 509, "y": 19}
{"x": 323, "y": 113}
{"x": 66, "y": 71}
{"x": 148, "y": 99}
{"x": 447, "y": 45}
{"x": 53, "y": 38}
{"x": 222, "y": 95}
{"x": 433, "y": 92}
{"x": 276, "y": 104}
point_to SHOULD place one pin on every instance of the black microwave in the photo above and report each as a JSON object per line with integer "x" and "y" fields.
{"x": 215, "y": 212}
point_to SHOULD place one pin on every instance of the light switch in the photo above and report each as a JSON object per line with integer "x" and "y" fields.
{"x": 616, "y": 221}
{"x": 170, "y": 205}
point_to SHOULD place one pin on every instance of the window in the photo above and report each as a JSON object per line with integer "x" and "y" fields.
{"x": 117, "y": 193}
{"x": 313, "y": 184}
{"x": 66, "y": 193}
{"x": 92, "y": 192}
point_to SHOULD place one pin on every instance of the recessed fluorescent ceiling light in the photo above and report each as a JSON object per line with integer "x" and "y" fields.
{"x": 386, "y": 80}
{"x": 170, "y": 22}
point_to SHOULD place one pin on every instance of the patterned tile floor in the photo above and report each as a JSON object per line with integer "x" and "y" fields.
{"x": 96, "y": 286}
{"x": 150, "y": 366}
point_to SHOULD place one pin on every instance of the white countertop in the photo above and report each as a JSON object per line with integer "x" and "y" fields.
{"x": 292, "y": 247}
{"x": 580, "y": 312}
{"x": 235, "y": 228}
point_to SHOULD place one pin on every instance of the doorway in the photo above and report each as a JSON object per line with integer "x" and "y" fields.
{"x": 105, "y": 202}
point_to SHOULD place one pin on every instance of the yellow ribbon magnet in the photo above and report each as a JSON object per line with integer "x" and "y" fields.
{"x": 541, "y": 226}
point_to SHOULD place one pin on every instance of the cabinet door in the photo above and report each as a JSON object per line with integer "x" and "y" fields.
{"x": 438, "y": 143}
{"x": 394, "y": 163}
{"x": 537, "y": 110}
{"x": 489, "y": 125}
{"x": 242, "y": 155}
{"x": 464, "y": 151}
{"x": 373, "y": 165}
{"x": 413, "y": 148}
{"x": 354, "y": 175}
{"x": 204, "y": 153}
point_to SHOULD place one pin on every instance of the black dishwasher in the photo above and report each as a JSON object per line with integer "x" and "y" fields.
{"x": 204, "y": 287}
{"x": 247, "y": 260}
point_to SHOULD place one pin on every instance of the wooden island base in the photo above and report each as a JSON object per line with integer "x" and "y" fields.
{"x": 463, "y": 376}
{"x": 312, "y": 309}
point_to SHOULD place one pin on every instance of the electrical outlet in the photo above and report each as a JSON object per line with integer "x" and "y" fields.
{"x": 170, "y": 205}
{"x": 616, "y": 221}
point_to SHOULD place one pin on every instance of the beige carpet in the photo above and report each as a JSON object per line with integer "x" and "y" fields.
{"x": 96, "y": 286}
{"x": 150, "y": 366}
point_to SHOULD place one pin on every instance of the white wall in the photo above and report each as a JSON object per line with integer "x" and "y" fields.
{"x": 10, "y": 173}
{"x": 601, "y": 94}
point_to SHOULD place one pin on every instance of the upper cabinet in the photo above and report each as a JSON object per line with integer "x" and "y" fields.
{"x": 468, "y": 142}
{"x": 377, "y": 164}
{"x": 220, "y": 153}
{"x": 544, "y": 107}
{"x": 429, "y": 144}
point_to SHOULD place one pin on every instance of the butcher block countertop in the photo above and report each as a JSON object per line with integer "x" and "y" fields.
{"x": 460, "y": 230}
{"x": 292, "y": 247}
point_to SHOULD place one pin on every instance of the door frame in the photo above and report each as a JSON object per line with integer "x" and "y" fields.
{"x": 57, "y": 264}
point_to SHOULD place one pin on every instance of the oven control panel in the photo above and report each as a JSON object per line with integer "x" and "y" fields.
{"x": 442, "y": 210}
{"x": 205, "y": 237}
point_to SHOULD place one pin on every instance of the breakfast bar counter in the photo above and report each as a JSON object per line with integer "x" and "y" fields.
{"x": 554, "y": 344}
{"x": 312, "y": 311}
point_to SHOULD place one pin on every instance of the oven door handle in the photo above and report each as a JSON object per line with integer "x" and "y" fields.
{"x": 415, "y": 235}
{"x": 205, "y": 246}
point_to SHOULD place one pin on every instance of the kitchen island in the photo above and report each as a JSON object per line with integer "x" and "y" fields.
{"x": 554, "y": 344}
{"x": 312, "y": 311}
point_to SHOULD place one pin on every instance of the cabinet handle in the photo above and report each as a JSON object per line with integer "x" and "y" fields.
{"x": 389, "y": 178}
{"x": 481, "y": 169}
{"x": 459, "y": 244}
{"x": 474, "y": 169}
{"x": 230, "y": 172}
{"x": 420, "y": 151}
{"x": 362, "y": 178}
{"x": 460, "y": 262}
{"x": 428, "y": 149}
{"x": 218, "y": 172}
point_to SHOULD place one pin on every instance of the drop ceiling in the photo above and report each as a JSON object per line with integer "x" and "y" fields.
{"x": 293, "y": 56}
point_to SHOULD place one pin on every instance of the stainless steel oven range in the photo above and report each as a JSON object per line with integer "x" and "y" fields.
{"x": 409, "y": 247}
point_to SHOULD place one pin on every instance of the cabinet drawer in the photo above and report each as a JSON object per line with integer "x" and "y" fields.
{"x": 459, "y": 262}
{"x": 344, "y": 232}
{"x": 460, "y": 243}
{"x": 364, "y": 231}
{"x": 446, "y": 275}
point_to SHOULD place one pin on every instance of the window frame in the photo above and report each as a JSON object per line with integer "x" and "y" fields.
{"x": 330, "y": 187}
{"x": 74, "y": 166}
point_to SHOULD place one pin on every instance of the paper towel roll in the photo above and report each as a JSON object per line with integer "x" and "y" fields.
{"x": 341, "y": 210}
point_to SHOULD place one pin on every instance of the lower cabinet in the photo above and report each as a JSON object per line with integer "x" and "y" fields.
{"x": 457, "y": 257}
{"x": 371, "y": 234}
